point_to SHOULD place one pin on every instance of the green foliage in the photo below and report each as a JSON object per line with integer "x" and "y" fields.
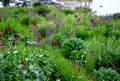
{"x": 72, "y": 44}
{"x": 84, "y": 33}
{"x": 21, "y": 65}
{"x": 57, "y": 39}
{"x": 67, "y": 11}
{"x": 25, "y": 20}
{"x": 42, "y": 31}
{"x": 89, "y": 63}
{"x": 107, "y": 51}
{"x": 104, "y": 74}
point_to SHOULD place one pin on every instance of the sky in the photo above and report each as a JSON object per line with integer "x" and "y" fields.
{"x": 106, "y": 7}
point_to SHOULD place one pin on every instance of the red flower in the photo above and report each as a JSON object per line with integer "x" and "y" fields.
{"x": 33, "y": 23}
{"x": 23, "y": 62}
{"x": 0, "y": 34}
{"x": 39, "y": 38}
{"x": 73, "y": 66}
{"x": 78, "y": 69}
{"x": 8, "y": 29}
{"x": 1, "y": 44}
{"x": 55, "y": 42}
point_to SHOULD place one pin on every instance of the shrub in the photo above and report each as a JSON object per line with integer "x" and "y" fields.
{"x": 72, "y": 44}
{"x": 73, "y": 49}
{"x": 104, "y": 74}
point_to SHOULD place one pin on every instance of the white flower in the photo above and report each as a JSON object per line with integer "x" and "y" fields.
{"x": 36, "y": 72}
{"x": 58, "y": 80}
{"x": 39, "y": 55}
{"x": 31, "y": 67}
{"x": 24, "y": 72}
{"x": 15, "y": 52}
{"x": 37, "y": 79}
{"x": 8, "y": 52}
{"x": 20, "y": 66}
{"x": 79, "y": 77}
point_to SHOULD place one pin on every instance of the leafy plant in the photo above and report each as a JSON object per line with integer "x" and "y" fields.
{"x": 104, "y": 74}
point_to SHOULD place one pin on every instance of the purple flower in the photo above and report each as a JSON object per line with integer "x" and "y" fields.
{"x": 44, "y": 14}
{"x": 94, "y": 12}
{"x": 103, "y": 18}
{"x": 48, "y": 41}
{"x": 50, "y": 19}
{"x": 78, "y": 19}
{"x": 49, "y": 10}
{"x": 92, "y": 21}
{"x": 109, "y": 18}
{"x": 48, "y": 31}
{"x": 14, "y": 35}
{"x": 69, "y": 36}
{"x": 69, "y": 31}
{"x": 38, "y": 34}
